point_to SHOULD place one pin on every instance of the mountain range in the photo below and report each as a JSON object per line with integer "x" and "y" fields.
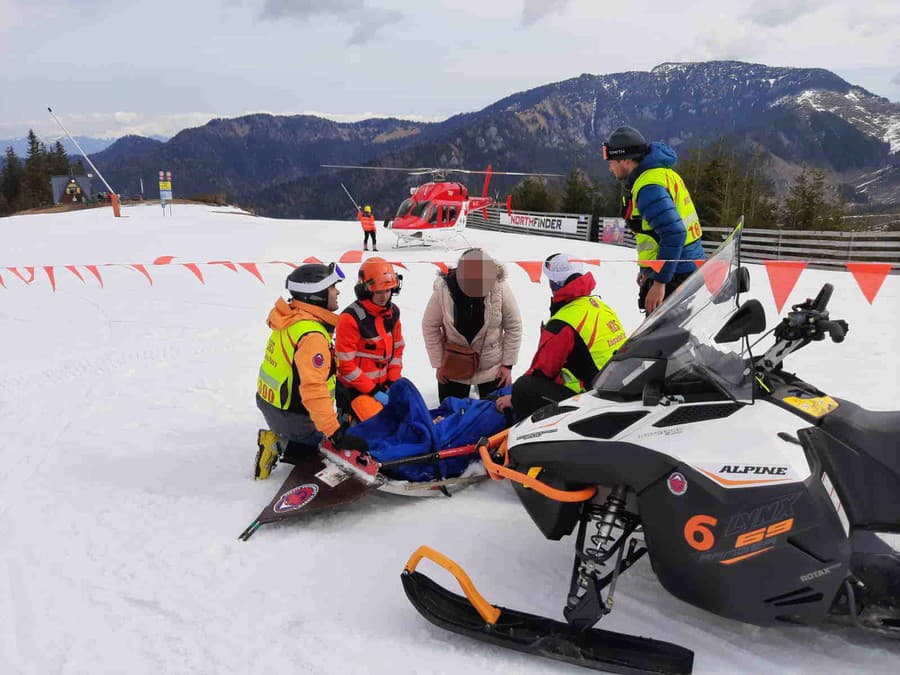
{"x": 794, "y": 116}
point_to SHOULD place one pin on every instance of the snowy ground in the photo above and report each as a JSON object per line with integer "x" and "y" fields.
{"x": 127, "y": 433}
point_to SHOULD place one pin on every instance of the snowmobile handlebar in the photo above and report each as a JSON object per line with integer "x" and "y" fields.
{"x": 809, "y": 321}
{"x": 806, "y": 322}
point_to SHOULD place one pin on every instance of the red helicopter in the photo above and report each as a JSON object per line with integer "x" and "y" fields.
{"x": 439, "y": 209}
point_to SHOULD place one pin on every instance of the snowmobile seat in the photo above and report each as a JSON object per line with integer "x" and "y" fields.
{"x": 860, "y": 449}
{"x": 874, "y": 433}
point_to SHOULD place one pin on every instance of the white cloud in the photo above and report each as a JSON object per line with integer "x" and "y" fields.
{"x": 366, "y": 21}
{"x": 535, "y": 10}
{"x": 773, "y": 13}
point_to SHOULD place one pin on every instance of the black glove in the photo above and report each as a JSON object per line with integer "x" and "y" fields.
{"x": 344, "y": 441}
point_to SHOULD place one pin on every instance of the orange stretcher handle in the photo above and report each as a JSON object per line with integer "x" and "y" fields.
{"x": 498, "y": 472}
{"x": 487, "y": 611}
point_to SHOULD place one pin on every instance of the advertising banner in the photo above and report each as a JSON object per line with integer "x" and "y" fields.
{"x": 553, "y": 224}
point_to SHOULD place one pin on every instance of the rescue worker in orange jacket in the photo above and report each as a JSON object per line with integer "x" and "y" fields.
{"x": 367, "y": 220}
{"x": 295, "y": 387}
{"x": 369, "y": 340}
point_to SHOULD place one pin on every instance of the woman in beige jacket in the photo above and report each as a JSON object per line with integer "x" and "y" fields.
{"x": 473, "y": 305}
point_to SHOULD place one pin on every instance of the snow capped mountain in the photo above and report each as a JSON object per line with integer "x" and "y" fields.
{"x": 795, "y": 116}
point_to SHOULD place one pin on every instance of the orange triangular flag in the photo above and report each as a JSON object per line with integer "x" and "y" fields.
{"x": 399, "y": 264}
{"x": 164, "y": 260}
{"x": 783, "y": 275}
{"x": 587, "y": 261}
{"x": 143, "y": 270}
{"x": 655, "y": 265}
{"x": 196, "y": 270}
{"x": 442, "y": 267}
{"x": 351, "y": 257}
{"x": 290, "y": 264}
{"x": 253, "y": 269}
{"x": 52, "y": 277}
{"x": 532, "y": 269}
{"x": 93, "y": 270}
{"x": 74, "y": 270}
{"x": 2, "y": 283}
{"x": 225, "y": 263}
{"x": 16, "y": 271}
{"x": 869, "y": 276}
{"x": 699, "y": 263}
{"x": 714, "y": 275}
{"x": 312, "y": 259}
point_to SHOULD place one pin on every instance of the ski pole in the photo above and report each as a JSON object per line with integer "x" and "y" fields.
{"x": 351, "y": 197}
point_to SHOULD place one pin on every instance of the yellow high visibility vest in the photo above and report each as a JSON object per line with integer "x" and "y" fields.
{"x": 647, "y": 245}
{"x": 599, "y": 328}
{"x": 275, "y": 383}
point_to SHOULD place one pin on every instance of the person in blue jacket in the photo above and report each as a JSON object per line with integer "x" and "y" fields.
{"x": 657, "y": 207}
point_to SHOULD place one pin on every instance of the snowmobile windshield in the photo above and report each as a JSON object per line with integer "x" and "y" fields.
{"x": 682, "y": 332}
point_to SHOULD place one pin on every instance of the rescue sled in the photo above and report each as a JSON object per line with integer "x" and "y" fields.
{"x": 413, "y": 451}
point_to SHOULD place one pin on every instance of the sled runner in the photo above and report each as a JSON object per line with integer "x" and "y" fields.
{"x": 755, "y": 495}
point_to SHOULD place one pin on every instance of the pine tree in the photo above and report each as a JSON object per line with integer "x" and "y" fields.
{"x": 811, "y": 204}
{"x": 58, "y": 161}
{"x": 36, "y": 190}
{"x": 533, "y": 194}
{"x": 11, "y": 180}
{"x": 579, "y": 194}
{"x": 726, "y": 184}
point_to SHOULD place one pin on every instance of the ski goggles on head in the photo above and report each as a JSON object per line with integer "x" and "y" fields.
{"x": 335, "y": 275}
{"x": 627, "y": 152}
{"x": 333, "y": 269}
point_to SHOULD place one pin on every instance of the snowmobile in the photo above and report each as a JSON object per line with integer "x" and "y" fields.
{"x": 755, "y": 495}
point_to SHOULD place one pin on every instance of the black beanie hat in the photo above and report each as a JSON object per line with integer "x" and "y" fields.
{"x": 626, "y": 143}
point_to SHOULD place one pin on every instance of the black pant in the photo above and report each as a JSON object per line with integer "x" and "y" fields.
{"x": 366, "y": 236}
{"x": 532, "y": 392}
{"x": 462, "y": 390}
{"x": 676, "y": 281}
{"x": 296, "y": 429}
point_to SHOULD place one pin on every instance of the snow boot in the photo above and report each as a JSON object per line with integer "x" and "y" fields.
{"x": 268, "y": 454}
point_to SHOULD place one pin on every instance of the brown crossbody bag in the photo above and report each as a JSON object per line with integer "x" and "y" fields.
{"x": 460, "y": 362}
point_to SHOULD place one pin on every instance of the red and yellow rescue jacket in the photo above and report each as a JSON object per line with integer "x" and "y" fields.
{"x": 368, "y": 346}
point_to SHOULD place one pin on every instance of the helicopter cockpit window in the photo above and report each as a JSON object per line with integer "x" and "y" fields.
{"x": 433, "y": 214}
{"x": 404, "y": 208}
{"x": 419, "y": 208}
{"x": 451, "y": 214}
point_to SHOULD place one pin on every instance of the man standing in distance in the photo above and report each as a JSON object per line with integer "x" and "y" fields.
{"x": 367, "y": 220}
{"x": 657, "y": 207}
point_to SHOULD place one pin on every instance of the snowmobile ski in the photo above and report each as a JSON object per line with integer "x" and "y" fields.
{"x": 474, "y": 617}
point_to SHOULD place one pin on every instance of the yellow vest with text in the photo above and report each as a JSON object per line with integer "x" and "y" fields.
{"x": 599, "y": 328}
{"x": 646, "y": 244}
{"x": 275, "y": 383}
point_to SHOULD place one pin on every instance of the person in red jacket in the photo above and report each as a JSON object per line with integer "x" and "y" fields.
{"x": 369, "y": 341}
{"x": 577, "y": 341}
{"x": 367, "y": 220}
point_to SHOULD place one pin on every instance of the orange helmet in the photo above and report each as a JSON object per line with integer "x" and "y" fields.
{"x": 377, "y": 274}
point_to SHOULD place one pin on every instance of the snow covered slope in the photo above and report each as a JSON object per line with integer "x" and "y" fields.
{"x": 127, "y": 433}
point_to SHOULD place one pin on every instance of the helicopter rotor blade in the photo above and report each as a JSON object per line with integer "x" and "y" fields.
{"x": 421, "y": 169}
{"x": 508, "y": 173}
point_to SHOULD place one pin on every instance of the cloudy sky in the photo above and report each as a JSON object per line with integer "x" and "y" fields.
{"x": 111, "y": 67}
